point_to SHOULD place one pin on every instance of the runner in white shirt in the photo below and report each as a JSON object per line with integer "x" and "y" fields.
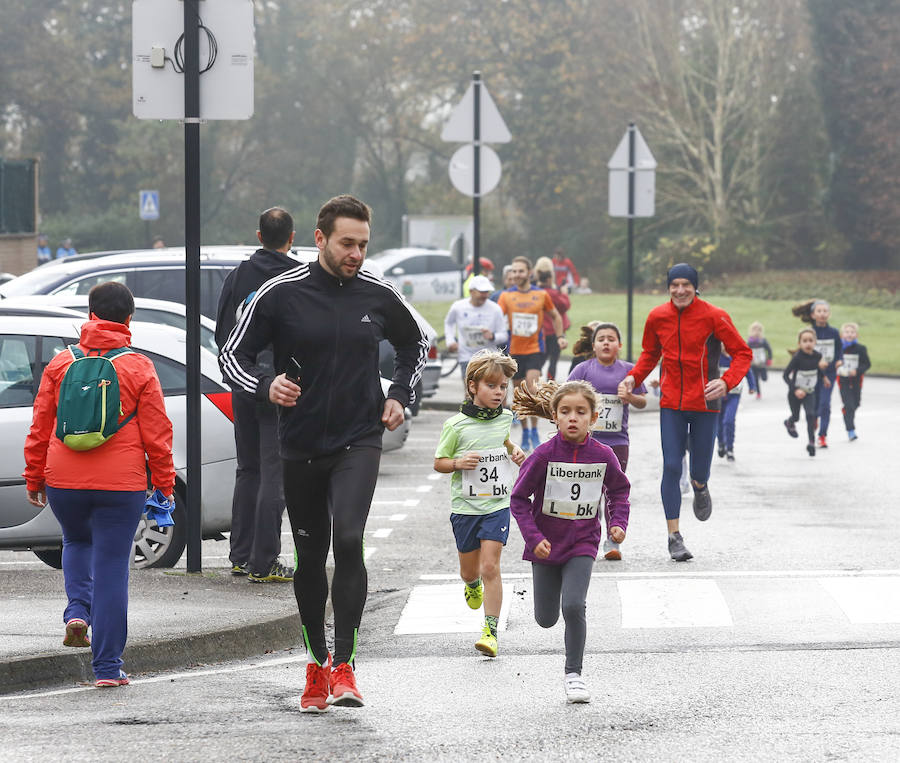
{"x": 475, "y": 323}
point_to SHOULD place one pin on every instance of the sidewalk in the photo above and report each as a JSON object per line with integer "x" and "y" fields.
{"x": 176, "y": 620}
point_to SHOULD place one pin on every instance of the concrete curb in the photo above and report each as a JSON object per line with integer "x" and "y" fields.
{"x": 240, "y": 642}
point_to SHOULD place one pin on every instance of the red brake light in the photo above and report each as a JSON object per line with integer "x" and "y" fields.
{"x": 222, "y": 401}
{"x": 432, "y": 351}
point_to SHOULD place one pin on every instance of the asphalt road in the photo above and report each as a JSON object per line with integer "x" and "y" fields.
{"x": 779, "y": 640}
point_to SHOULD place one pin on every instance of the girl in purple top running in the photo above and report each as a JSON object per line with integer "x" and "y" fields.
{"x": 556, "y": 502}
{"x": 603, "y": 372}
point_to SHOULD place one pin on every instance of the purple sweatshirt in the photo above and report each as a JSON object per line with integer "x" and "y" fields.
{"x": 568, "y": 537}
{"x": 605, "y": 380}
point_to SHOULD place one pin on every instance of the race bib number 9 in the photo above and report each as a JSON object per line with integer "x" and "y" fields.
{"x": 524, "y": 324}
{"x": 492, "y": 478}
{"x": 759, "y": 356}
{"x": 825, "y": 347}
{"x": 573, "y": 491}
{"x": 806, "y": 380}
{"x": 473, "y": 336}
{"x": 610, "y": 410}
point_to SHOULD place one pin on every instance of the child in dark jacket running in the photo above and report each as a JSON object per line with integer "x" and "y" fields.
{"x": 762, "y": 354}
{"x": 556, "y": 502}
{"x": 728, "y": 413}
{"x": 802, "y": 375}
{"x": 850, "y": 375}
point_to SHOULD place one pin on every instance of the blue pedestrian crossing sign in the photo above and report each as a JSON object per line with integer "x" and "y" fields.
{"x": 149, "y": 205}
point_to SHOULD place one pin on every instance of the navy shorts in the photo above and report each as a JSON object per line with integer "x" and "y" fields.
{"x": 526, "y": 363}
{"x": 470, "y": 529}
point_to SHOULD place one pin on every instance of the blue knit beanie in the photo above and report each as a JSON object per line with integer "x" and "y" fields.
{"x": 682, "y": 270}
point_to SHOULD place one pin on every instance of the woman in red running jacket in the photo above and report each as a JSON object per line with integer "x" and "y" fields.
{"x": 688, "y": 333}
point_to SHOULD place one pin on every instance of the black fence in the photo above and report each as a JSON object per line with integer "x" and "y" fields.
{"x": 17, "y": 212}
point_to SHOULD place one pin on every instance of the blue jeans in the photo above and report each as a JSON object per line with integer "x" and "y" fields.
{"x": 98, "y": 533}
{"x": 726, "y": 419}
{"x": 694, "y": 431}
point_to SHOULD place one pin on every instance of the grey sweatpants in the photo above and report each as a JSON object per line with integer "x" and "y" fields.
{"x": 568, "y": 583}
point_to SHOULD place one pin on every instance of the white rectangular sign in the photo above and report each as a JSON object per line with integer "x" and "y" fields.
{"x": 226, "y": 89}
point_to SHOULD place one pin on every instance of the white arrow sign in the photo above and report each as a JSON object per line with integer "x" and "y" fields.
{"x": 460, "y": 127}
{"x": 644, "y": 171}
{"x": 643, "y": 159}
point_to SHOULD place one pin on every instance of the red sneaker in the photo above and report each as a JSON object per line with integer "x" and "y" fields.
{"x": 109, "y": 683}
{"x": 343, "y": 687}
{"x": 823, "y": 443}
{"x": 76, "y": 633}
{"x": 318, "y": 686}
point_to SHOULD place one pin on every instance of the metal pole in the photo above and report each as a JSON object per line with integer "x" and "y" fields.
{"x": 630, "y": 356}
{"x": 476, "y": 187}
{"x": 192, "y": 275}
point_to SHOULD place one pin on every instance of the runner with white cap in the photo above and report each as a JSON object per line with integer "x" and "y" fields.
{"x": 475, "y": 323}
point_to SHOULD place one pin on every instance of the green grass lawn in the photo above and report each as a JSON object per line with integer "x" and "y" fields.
{"x": 879, "y": 329}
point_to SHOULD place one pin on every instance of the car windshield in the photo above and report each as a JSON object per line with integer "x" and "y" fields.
{"x": 33, "y": 282}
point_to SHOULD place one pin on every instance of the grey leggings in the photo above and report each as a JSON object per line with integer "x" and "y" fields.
{"x": 569, "y": 582}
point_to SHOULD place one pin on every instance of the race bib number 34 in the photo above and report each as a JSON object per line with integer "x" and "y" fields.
{"x": 825, "y": 347}
{"x": 610, "y": 410}
{"x": 573, "y": 491}
{"x": 492, "y": 478}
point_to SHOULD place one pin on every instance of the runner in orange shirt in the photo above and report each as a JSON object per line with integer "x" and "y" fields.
{"x": 524, "y": 306}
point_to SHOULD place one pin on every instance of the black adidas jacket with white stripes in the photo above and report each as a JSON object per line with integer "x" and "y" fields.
{"x": 332, "y": 327}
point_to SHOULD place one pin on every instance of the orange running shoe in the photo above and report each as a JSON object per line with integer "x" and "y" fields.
{"x": 318, "y": 686}
{"x": 343, "y": 687}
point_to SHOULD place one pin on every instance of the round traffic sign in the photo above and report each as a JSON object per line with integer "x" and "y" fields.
{"x": 462, "y": 170}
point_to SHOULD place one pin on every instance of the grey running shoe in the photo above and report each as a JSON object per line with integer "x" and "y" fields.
{"x": 791, "y": 428}
{"x": 702, "y": 503}
{"x": 811, "y": 449}
{"x": 277, "y": 573}
{"x": 677, "y": 548}
{"x": 730, "y": 455}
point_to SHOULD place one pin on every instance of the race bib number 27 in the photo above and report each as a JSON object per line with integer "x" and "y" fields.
{"x": 573, "y": 491}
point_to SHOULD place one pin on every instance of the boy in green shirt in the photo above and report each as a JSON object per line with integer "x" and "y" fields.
{"x": 475, "y": 448}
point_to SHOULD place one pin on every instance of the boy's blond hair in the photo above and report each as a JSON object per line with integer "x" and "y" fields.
{"x": 488, "y": 363}
{"x": 756, "y": 328}
{"x": 545, "y": 399}
{"x": 850, "y": 325}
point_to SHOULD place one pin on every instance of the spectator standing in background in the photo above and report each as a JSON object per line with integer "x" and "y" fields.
{"x": 43, "y": 250}
{"x": 65, "y": 249}
{"x": 564, "y": 269}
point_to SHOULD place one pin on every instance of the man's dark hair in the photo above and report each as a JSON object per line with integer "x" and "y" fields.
{"x": 275, "y": 228}
{"x": 341, "y": 206}
{"x": 111, "y": 301}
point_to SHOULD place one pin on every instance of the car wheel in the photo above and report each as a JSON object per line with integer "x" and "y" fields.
{"x": 51, "y": 557}
{"x": 160, "y": 546}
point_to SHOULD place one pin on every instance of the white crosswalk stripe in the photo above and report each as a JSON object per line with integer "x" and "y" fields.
{"x": 633, "y": 602}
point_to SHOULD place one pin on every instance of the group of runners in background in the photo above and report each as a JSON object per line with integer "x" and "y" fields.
{"x": 565, "y": 483}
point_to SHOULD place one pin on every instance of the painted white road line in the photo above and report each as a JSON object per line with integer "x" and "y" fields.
{"x": 424, "y": 488}
{"x": 381, "y": 532}
{"x": 866, "y": 599}
{"x": 672, "y": 604}
{"x": 709, "y": 574}
{"x": 435, "y": 476}
{"x": 166, "y": 677}
{"x": 442, "y": 609}
{"x": 389, "y": 517}
{"x": 406, "y": 503}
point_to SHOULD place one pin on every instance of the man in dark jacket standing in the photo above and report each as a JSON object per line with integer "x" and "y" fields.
{"x": 258, "y": 503}
{"x": 327, "y": 317}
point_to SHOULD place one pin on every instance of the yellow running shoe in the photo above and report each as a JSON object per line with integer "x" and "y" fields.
{"x": 474, "y": 595}
{"x": 487, "y": 644}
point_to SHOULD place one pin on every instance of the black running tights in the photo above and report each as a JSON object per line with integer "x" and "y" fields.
{"x": 334, "y": 490}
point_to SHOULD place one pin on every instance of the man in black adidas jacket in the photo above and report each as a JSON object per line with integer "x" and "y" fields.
{"x": 258, "y": 501}
{"x": 329, "y": 316}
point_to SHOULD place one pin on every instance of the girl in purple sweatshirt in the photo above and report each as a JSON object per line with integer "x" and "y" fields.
{"x": 556, "y": 502}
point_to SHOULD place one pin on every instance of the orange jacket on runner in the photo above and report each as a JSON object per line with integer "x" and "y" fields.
{"x": 688, "y": 342}
{"x": 118, "y": 464}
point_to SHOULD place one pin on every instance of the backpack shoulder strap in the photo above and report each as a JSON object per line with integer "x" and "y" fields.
{"x": 117, "y": 352}
{"x": 76, "y": 352}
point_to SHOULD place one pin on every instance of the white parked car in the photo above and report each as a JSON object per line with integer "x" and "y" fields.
{"x": 422, "y": 275}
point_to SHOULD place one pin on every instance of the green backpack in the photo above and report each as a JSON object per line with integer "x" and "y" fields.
{"x": 88, "y": 411}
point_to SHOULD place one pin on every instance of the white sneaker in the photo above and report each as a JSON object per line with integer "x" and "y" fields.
{"x": 611, "y": 550}
{"x": 576, "y": 691}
